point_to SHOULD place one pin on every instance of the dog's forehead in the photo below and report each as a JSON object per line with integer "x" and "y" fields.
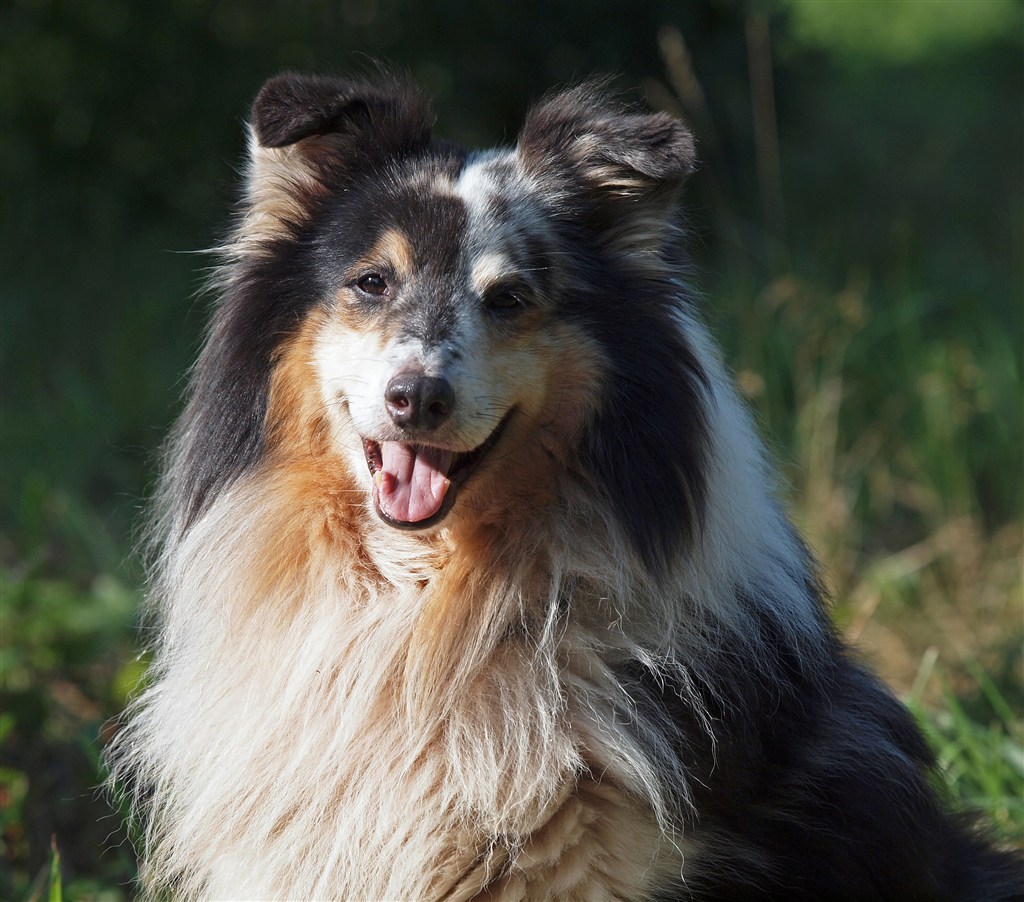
{"x": 505, "y": 232}
{"x": 428, "y": 216}
{"x": 477, "y": 220}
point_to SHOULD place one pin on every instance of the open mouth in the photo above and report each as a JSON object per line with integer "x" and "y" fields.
{"x": 414, "y": 485}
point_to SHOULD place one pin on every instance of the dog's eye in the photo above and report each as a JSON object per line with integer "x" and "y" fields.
{"x": 373, "y": 283}
{"x": 505, "y": 298}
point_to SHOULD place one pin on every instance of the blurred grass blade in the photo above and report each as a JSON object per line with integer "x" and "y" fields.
{"x": 991, "y": 692}
{"x": 56, "y": 888}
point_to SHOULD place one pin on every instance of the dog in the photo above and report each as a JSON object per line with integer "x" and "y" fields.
{"x": 470, "y": 577}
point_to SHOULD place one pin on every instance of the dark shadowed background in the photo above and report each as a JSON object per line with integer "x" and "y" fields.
{"x": 857, "y": 222}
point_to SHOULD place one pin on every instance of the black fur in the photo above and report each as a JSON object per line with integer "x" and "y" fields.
{"x": 814, "y": 784}
{"x": 811, "y": 781}
{"x": 363, "y": 120}
{"x": 222, "y": 428}
{"x": 648, "y": 447}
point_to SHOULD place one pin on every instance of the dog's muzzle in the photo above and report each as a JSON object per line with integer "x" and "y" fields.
{"x": 415, "y": 483}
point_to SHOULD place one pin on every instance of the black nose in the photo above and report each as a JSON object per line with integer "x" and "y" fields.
{"x": 417, "y": 401}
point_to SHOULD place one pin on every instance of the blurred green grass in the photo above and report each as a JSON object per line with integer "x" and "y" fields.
{"x": 867, "y": 290}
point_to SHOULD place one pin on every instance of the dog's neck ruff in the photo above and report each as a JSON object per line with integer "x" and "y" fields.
{"x": 467, "y": 699}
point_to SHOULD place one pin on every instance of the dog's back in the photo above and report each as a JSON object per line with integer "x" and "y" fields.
{"x": 469, "y": 579}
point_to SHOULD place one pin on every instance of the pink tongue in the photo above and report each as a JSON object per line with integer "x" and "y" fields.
{"x": 412, "y": 481}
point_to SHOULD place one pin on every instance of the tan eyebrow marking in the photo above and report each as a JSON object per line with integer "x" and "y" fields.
{"x": 490, "y": 268}
{"x": 394, "y": 248}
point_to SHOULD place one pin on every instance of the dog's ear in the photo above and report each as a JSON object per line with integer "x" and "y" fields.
{"x": 628, "y": 165}
{"x": 290, "y": 108}
{"x": 308, "y": 134}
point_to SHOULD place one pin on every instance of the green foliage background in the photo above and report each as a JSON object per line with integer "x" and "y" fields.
{"x": 858, "y": 224}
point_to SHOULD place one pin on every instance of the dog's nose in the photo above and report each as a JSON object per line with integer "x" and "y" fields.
{"x": 418, "y": 401}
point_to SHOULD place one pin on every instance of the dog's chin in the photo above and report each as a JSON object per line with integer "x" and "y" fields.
{"x": 415, "y": 485}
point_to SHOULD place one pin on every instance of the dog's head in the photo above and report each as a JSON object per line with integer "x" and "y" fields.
{"x": 468, "y": 323}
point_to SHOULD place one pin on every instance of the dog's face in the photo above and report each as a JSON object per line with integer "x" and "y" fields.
{"x": 471, "y": 321}
{"x": 442, "y": 347}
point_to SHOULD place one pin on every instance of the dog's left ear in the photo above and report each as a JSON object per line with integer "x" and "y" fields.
{"x": 309, "y": 134}
{"x": 629, "y": 165}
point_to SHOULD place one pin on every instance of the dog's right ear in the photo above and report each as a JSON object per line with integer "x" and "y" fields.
{"x": 308, "y": 134}
{"x": 290, "y": 108}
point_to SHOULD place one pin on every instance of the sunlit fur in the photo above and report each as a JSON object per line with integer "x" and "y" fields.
{"x": 606, "y": 673}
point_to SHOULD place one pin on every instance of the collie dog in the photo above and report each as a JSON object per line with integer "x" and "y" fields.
{"x": 471, "y": 581}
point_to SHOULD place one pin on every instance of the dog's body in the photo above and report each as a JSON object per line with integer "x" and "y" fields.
{"x": 471, "y": 582}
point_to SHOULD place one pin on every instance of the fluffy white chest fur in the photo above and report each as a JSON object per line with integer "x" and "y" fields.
{"x": 312, "y": 758}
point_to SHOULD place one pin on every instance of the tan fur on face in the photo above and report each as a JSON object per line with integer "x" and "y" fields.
{"x": 391, "y": 256}
{"x": 296, "y": 426}
{"x": 319, "y": 501}
{"x": 396, "y": 253}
